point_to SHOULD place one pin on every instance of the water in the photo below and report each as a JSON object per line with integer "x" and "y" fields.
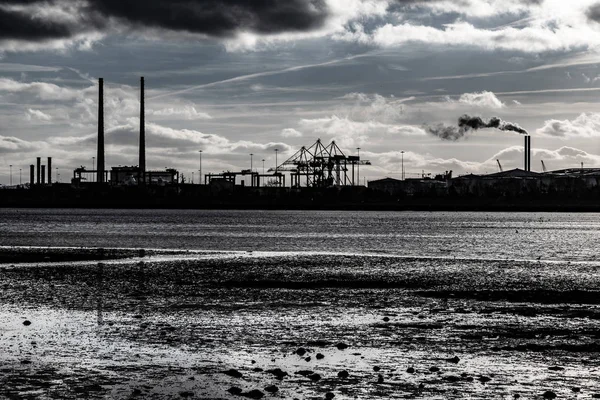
{"x": 549, "y": 236}
{"x": 509, "y": 294}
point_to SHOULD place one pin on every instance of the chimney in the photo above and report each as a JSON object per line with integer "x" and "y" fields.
{"x": 49, "y": 170}
{"x": 100, "y": 155}
{"x": 31, "y": 175}
{"x": 142, "y": 133}
{"x": 43, "y": 174}
{"x": 528, "y": 153}
{"x": 39, "y": 170}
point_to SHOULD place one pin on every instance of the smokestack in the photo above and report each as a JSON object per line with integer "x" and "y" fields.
{"x": 528, "y": 153}
{"x": 43, "y": 174}
{"x": 31, "y": 175}
{"x": 100, "y": 155}
{"x": 49, "y": 170}
{"x": 142, "y": 133}
{"x": 39, "y": 170}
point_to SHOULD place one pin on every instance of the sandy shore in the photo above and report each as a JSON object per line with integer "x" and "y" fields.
{"x": 220, "y": 325}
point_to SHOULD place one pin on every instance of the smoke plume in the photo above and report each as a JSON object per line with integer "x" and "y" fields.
{"x": 466, "y": 124}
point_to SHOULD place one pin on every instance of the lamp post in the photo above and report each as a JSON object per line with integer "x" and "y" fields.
{"x": 10, "y": 174}
{"x": 358, "y": 167}
{"x": 251, "y": 161}
{"x": 263, "y": 160}
{"x": 200, "y": 170}
{"x": 402, "y": 153}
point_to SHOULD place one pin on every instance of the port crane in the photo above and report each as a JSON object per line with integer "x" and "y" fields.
{"x": 322, "y": 166}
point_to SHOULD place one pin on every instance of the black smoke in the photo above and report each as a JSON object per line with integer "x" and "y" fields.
{"x": 466, "y": 124}
{"x": 216, "y": 18}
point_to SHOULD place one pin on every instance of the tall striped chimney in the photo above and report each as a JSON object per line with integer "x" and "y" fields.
{"x": 142, "y": 133}
{"x": 100, "y": 155}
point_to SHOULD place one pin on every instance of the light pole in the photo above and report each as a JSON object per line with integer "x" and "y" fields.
{"x": 20, "y": 181}
{"x": 200, "y": 170}
{"x": 358, "y": 167}
{"x": 251, "y": 161}
{"x": 263, "y": 160}
{"x": 10, "y": 174}
{"x": 94, "y": 166}
{"x": 402, "y": 153}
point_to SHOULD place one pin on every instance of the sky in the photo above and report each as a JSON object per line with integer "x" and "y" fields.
{"x": 234, "y": 77}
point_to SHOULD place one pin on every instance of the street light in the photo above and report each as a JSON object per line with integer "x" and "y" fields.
{"x": 10, "y": 174}
{"x": 402, "y": 153}
{"x": 200, "y": 170}
{"x": 358, "y": 167}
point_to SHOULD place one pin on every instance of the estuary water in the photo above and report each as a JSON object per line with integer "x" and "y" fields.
{"x": 298, "y": 304}
{"x": 546, "y": 236}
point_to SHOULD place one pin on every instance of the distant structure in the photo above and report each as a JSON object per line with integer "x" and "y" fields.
{"x": 322, "y": 166}
{"x": 100, "y": 155}
{"x": 142, "y": 134}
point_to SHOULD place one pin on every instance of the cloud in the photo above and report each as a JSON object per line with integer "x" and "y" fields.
{"x": 585, "y": 125}
{"x": 186, "y": 111}
{"x": 11, "y": 144}
{"x": 37, "y": 114}
{"x": 290, "y": 132}
{"x": 483, "y": 99}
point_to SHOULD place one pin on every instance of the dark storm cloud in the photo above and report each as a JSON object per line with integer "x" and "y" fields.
{"x": 467, "y": 124}
{"x": 593, "y": 13}
{"x": 219, "y": 18}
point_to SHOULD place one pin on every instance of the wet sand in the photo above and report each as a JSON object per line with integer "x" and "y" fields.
{"x": 177, "y": 324}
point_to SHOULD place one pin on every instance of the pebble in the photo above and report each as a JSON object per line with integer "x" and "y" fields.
{"x": 556, "y": 368}
{"x": 272, "y": 389}
{"x": 380, "y": 379}
{"x": 279, "y": 374}
{"x": 434, "y": 369}
{"x": 548, "y": 394}
{"x": 186, "y": 394}
{"x": 307, "y": 359}
{"x": 376, "y": 368}
{"x": 329, "y": 395}
{"x": 233, "y": 373}
{"x": 484, "y": 379}
{"x": 301, "y": 351}
{"x": 341, "y": 346}
{"x": 314, "y": 377}
{"x": 343, "y": 374}
{"x": 386, "y": 319}
{"x": 305, "y": 372}
{"x": 235, "y": 390}
{"x": 254, "y": 394}
{"x": 576, "y": 389}
{"x": 596, "y": 396}
{"x": 410, "y": 370}
{"x": 27, "y": 322}
{"x": 320, "y": 356}
{"x": 454, "y": 360}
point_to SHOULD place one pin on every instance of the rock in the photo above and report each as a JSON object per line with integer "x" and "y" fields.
{"x": 233, "y": 373}
{"x": 272, "y": 389}
{"x": 136, "y": 392}
{"x": 235, "y": 390}
{"x": 253, "y": 361}
{"x": 434, "y": 369}
{"x": 380, "y": 378}
{"x": 254, "y": 394}
{"x": 596, "y": 396}
{"x": 305, "y": 372}
{"x": 341, "y": 346}
{"x": 329, "y": 395}
{"x": 454, "y": 360}
{"x": 307, "y": 359}
{"x": 257, "y": 369}
{"x": 343, "y": 374}
{"x": 320, "y": 356}
{"x": 301, "y": 351}
{"x": 314, "y": 377}
{"x": 410, "y": 370}
{"x": 376, "y": 368}
{"x": 27, "y": 322}
{"x": 484, "y": 379}
{"x": 186, "y": 394}
{"x": 451, "y": 378}
{"x": 548, "y": 394}
{"x": 517, "y": 396}
{"x": 556, "y": 368}
{"x": 279, "y": 374}
{"x": 576, "y": 389}
{"x": 386, "y": 319}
